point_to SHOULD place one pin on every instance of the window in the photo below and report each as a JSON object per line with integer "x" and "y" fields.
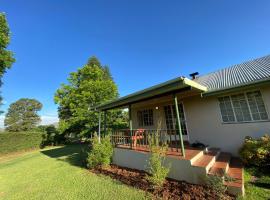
{"x": 257, "y": 106}
{"x": 226, "y": 109}
{"x": 244, "y": 107}
{"x": 145, "y": 117}
{"x": 171, "y": 121}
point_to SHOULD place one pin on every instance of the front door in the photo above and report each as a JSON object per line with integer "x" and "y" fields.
{"x": 171, "y": 120}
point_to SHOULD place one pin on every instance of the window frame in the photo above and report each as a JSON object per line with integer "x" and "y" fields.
{"x": 172, "y": 106}
{"x": 141, "y": 116}
{"x": 249, "y": 109}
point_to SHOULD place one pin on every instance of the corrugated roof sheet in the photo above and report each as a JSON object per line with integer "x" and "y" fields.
{"x": 236, "y": 75}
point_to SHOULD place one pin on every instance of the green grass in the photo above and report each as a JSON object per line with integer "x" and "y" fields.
{"x": 57, "y": 173}
{"x": 259, "y": 189}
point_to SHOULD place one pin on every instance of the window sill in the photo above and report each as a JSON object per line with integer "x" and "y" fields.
{"x": 247, "y": 122}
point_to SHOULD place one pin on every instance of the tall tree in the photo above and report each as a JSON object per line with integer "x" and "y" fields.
{"x": 22, "y": 115}
{"x": 88, "y": 87}
{"x": 6, "y": 56}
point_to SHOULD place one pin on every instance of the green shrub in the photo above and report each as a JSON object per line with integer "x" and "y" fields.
{"x": 17, "y": 141}
{"x": 156, "y": 168}
{"x": 51, "y": 135}
{"x": 101, "y": 153}
{"x": 256, "y": 152}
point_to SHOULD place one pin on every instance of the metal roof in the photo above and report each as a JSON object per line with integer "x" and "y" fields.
{"x": 237, "y": 75}
{"x": 171, "y": 86}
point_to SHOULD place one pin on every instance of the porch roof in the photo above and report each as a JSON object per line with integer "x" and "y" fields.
{"x": 171, "y": 86}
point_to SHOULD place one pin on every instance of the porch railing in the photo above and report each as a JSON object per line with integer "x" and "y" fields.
{"x": 140, "y": 139}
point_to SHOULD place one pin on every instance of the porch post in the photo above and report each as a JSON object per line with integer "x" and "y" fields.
{"x": 105, "y": 122}
{"x": 179, "y": 125}
{"x": 99, "y": 125}
{"x": 130, "y": 124}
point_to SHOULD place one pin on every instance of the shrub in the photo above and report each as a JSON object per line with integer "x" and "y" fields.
{"x": 101, "y": 153}
{"x": 17, "y": 141}
{"x": 256, "y": 152}
{"x": 158, "y": 172}
{"x": 216, "y": 183}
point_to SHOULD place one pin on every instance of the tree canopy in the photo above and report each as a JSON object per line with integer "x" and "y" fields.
{"x": 22, "y": 115}
{"x": 6, "y": 56}
{"x": 88, "y": 87}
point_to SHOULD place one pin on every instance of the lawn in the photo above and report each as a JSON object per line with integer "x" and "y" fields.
{"x": 257, "y": 188}
{"x": 57, "y": 173}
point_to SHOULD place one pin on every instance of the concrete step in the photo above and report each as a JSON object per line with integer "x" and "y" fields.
{"x": 235, "y": 171}
{"x": 221, "y": 165}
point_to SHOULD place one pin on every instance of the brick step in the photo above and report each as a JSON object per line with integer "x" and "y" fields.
{"x": 206, "y": 160}
{"x": 235, "y": 171}
{"x": 221, "y": 165}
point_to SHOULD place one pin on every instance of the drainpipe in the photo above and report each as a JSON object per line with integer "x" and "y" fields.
{"x": 179, "y": 126}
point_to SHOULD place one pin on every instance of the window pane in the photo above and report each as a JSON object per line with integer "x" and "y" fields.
{"x": 241, "y": 108}
{"x": 226, "y": 109}
{"x": 257, "y": 106}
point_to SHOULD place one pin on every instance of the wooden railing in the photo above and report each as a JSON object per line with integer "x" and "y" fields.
{"x": 142, "y": 138}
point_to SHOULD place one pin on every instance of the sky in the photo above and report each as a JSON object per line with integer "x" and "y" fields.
{"x": 143, "y": 42}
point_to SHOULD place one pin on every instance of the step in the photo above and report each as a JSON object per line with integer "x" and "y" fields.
{"x": 221, "y": 165}
{"x": 207, "y": 160}
{"x": 196, "y": 156}
{"x": 236, "y": 172}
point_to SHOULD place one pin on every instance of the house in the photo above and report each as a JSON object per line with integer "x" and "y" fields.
{"x": 218, "y": 109}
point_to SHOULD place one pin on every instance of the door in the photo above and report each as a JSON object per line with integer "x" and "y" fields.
{"x": 171, "y": 120}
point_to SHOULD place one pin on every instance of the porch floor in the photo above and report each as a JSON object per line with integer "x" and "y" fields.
{"x": 171, "y": 152}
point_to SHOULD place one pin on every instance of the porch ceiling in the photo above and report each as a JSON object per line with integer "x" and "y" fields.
{"x": 172, "y": 86}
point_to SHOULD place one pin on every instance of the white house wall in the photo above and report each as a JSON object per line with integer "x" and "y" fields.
{"x": 205, "y": 124}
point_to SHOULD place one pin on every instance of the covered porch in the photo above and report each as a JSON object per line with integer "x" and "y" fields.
{"x": 157, "y": 111}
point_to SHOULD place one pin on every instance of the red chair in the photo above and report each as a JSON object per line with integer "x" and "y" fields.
{"x": 137, "y": 136}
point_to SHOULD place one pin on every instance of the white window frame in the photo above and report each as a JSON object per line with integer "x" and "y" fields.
{"x": 186, "y": 124}
{"x": 246, "y": 99}
{"x": 142, "y": 124}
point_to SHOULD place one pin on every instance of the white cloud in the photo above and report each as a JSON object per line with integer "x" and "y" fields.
{"x": 48, "y": 119}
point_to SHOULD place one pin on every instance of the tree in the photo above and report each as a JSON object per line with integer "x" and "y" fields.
{"x": 90, "y": 86}
{"x": 22, "y": 115}
{"x": 6, "y": 56}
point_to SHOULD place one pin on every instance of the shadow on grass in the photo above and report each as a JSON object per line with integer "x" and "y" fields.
{"x": 262, "y": 176}
{"x": 73, "y": 154}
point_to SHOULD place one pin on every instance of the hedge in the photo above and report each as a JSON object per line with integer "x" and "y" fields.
{"x": 12, "y": 142}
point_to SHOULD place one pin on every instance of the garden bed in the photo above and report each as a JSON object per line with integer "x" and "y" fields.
{"x": 171, "y": 189}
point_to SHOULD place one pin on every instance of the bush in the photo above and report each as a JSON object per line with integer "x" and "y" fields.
{"x": 17, "y": 141}
{"x": 158, "y": 172}
{"x": 101, "y": 153}
{"x": 216, "y": 183}
{"x": 51, "y": 135}
{"x": 256, "y": 152}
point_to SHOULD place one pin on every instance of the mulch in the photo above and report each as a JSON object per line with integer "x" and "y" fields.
{"x": 171, "y": 189}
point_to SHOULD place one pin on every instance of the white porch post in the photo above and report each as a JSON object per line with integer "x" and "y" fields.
{"x": 99, "y": 125}
{"x": 130, "y": 124}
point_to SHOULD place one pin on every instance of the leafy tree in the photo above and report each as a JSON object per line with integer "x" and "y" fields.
{"x": 6, "y": 56}
{"x": 22, "y": 115}
{"x": 88, "y": 87}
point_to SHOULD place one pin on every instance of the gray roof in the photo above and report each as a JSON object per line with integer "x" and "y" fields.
{"x": 237, "y": 75}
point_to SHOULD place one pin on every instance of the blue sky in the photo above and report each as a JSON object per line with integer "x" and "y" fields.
{"x": 143, "y": 42}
